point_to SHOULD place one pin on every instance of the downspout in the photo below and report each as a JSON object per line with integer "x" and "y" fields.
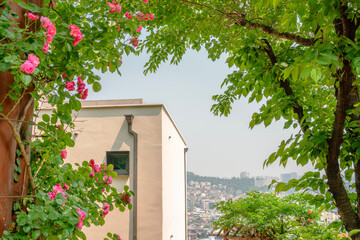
{"x": 185, "y": 183}
{"x": 129, "y": 119}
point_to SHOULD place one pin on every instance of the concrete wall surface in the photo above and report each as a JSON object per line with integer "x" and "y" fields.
{"x": 173, "y": 171}
{"x": 100, "y": 127}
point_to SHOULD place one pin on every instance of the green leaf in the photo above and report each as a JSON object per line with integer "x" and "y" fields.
{"x": 4, "y": 67}
{"x": 32, "y": 7}
{"x": 26, "y": 79}
{"x": 69, "y": 142}
{"x": 59, "y": 201}
{"x": 112, "y": 67}
{"x": 54, "y": 119}
{"x": 355, "y": 62}
{"x": 36, "y": 234}
{"x": 45, "y": 118}
{"x": 113, "y": 174}
{"x": 316, "y": 74}
{"x": 21, "y": 220}
{"x": 127, "y": 50}
{"x": 13, "y": 59}
{"x": 7, "y": 33}
{"x": 68, "y": 47}
{"x": 104, "y": 68}
{"x": 110, "y": 167}
{"x": 97, "y": 86}
{"x": 353, "y": 232}
{"x": 80, "y": 234}
{"x": 323, "y": 60}
{"x": 122, "y": 208}
{"x": 97, "y": 65}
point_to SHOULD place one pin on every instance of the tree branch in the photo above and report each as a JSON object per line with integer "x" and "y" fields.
{"x": 285, "y": 84}
{"x": 23, "y": 152}
{"x": 273, "y": 32}
{"x": 240, "y": 20}
{"x": 26, "y": 108}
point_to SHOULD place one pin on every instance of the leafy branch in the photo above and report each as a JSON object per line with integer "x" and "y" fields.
{"x": 240, "y": 20}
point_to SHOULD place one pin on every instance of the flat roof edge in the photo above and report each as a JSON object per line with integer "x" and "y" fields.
{"x": 131, "y": 106}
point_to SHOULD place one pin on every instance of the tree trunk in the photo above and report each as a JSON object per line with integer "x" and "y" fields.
{"x": 15, "y": 111}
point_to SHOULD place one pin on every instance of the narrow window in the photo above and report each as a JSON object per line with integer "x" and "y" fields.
{"x": 120, "y": 160}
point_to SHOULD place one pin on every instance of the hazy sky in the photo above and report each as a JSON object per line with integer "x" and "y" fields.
{"x": 218, "y": 146}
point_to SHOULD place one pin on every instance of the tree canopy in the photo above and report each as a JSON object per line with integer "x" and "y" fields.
{"x": 301, "y": 60}
{"x": 265, "y": 215}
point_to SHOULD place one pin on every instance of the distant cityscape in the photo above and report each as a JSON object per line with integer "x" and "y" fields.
{"x": 204, "y": 192}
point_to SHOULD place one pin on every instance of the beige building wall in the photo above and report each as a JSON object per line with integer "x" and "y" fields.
{"x": 147, "y": 123}
{"x": 98, "y": 131}
{"x": 101, "y": 126}
{"x": 173, "y": 171}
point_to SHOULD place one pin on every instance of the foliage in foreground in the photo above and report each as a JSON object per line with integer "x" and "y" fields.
{"x": 265, "y": 215}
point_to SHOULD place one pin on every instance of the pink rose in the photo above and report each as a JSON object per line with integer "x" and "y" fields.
{"x": 139, "y": 16}
{"x": 80, "y": 81}
{"x": 63, "y": 154}
{"x": 49, "y": 38}
{"x": 81, "y": 88}
{"x": 66, "y": 186}
{"x": 108, "y": 180}
{"x": 57, "y": 188}
{"x": 146, "y": 17}
{"x": 118, "y": 28}
{"x": 64, "y": 75}
{"x": 112, "y": 6}
{"x": 81, "y": 213}
{"x": 139, "y": 28}
{"x": 128, "y": 15}
{"x": 69, "y": 85}
{"x": 80, "y": 224}
{"x": 118, "y": 8}
{"x": 75, "y": 32}
{"x": 46, "y": 22}
{"x": 134, "y": 41}
{"x": 45, "y": 48}
{"x": 146, "y": 1}
{"x": 32, "y": 16}
{"x": 118, "y": 237}
{"x": 51, "y": 195}
{"x": 92, "y": 174}
{"x": 96, "y": 168}
{"x": 51, "y": 30}
{"x": 33, "y": 59}
{"x": 84, "y": 94}
{"x": 151, "y": 16}
{"x": 92, "y": 162}
{"x": 106, "y": 211}
{"x": 27, "y": 67}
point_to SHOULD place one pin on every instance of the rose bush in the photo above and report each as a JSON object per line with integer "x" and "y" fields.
{"x": 44, "y": 52}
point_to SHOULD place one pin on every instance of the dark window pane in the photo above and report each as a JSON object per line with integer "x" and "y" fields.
{"x": 120, "y": 161}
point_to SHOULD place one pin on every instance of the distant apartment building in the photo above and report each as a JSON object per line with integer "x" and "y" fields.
{"x": 149, "y": 154}
{"x": 244, "y": 175}
{"x": 286, "y": 177}
{"x": 262, "y": 181}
